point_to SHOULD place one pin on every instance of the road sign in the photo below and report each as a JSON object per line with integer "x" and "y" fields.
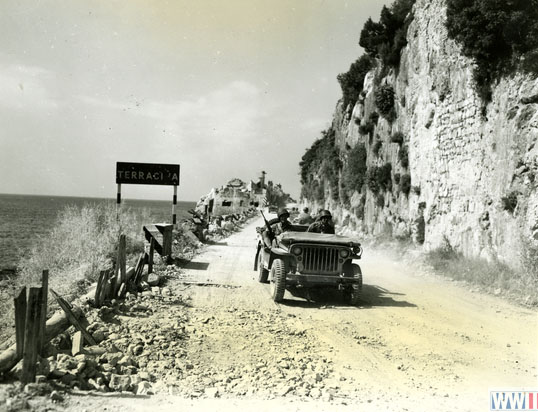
{"x": 147, "y": 173}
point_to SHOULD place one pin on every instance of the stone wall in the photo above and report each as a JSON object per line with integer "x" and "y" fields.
{"x": 463, "y": 158}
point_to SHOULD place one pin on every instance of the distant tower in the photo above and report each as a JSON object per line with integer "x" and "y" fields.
{"x": 262, "y": 180}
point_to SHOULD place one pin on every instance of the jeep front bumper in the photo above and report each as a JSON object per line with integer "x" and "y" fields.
{"x": 296, "y": 279}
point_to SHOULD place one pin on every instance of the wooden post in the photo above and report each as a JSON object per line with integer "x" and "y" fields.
{"x": 151, "y": 251}
{"x": 66, "y": 307}
{"x": 98, "y": 290}
{"x": 106, "y": 289}
{"x": 78, "y": 342}
{"x": 55, "y": 325}
{"x": 31, "y": 336}
{"x": 122, "y": 261}
{"x": 44, "y": 302}
{"x": 120, "y": 270}
{"x": 138, "y": 269}
{"x": 174, "y": 203}
{"x": 118, "y": 202}
{"x": 20, "y": 321}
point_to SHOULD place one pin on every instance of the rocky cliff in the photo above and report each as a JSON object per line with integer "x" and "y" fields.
{"x": 469, "y": 175}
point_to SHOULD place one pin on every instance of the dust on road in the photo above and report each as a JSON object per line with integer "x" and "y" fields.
{"x": 417, "y": 342}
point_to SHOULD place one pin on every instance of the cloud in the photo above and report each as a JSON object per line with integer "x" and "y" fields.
{"x": 26, "y": 88}
{"x": 231, "y": 112}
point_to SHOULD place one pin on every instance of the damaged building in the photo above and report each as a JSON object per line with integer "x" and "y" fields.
{"x": 235, "y": 196}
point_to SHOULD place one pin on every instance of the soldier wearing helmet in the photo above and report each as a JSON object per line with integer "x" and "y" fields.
{"x": 283, "y": 224}
{"x": 323, "y": 223}
{"x": 279, "y": 225}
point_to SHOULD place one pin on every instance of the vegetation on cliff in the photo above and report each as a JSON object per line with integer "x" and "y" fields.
{"x": 385, "y": 39}
{"x": 352, "y": 81}
{"x": 499, "y": 35}
{"x": 276, "y": 196}
{"x": 321, "y": 159}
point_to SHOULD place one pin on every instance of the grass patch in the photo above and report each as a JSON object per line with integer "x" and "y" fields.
{"x": 83, "y": 241}
{"x": 495, "y": 277}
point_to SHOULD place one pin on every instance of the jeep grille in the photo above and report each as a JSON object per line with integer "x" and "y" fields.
{"x": 317, "y": 259}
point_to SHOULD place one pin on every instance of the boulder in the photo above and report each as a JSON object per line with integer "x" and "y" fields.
{"x": 119, "y": 382}
{"x": 153, "y": 279}
{"x": 143, "y": 388}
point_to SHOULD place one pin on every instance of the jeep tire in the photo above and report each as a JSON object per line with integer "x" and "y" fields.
{"x": 353, "y": 294}
{"x": 278, "y": 280}
{"x": 263, "y": 273}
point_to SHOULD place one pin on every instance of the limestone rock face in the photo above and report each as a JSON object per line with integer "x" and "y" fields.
{"x": 465, "y": 159}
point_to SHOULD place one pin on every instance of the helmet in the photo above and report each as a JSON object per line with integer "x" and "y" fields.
{"x": 325, "y": 213}
{"x": 283, "y": 211}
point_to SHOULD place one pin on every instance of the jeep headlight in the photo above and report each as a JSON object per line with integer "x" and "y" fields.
{"x": 344, "y": 253}
{"x": 296, "y": 250}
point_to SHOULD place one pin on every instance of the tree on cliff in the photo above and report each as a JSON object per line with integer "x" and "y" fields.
{"x": 499, "y": 35}
{"x": 352, "y": 81}
{"x": 385, "y": 39}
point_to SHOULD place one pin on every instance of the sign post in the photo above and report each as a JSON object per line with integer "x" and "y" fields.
{"x": 148, "y": 174}
{"x": 174, "y": 203}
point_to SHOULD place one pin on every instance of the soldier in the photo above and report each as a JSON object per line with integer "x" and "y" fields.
{"x": 283, "y": 224}
{"x": 278, "y": 226}
{"x": 305, "y": 218}
{"x": 323, "y": 223}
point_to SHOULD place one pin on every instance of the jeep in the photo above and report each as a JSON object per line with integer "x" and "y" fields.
{"x": 304, "y": 260}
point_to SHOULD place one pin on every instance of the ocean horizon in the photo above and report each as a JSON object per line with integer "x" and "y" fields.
{"x": 25, "y": 217}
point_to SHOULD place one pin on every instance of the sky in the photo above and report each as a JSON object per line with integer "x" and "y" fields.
{"x": 224, "y": 88}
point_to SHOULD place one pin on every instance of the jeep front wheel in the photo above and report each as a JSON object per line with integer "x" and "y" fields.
{"x": 353, "y": 295}
{"x": 263, "y": 273}
{"x": 278, "y": 282}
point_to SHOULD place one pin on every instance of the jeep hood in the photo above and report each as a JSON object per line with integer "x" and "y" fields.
{"x": 311, "y": 237}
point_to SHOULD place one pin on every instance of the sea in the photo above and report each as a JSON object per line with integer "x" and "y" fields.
{"x": 25, "y": 217}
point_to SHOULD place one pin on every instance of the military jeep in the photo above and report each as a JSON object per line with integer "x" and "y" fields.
{"x": 309, "y": 261}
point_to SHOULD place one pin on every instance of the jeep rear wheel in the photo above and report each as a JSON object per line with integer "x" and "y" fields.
{"x": 278, "y": 280}
{"x": 263, "y": 273}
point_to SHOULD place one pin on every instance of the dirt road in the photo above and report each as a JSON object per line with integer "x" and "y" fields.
{"x": 417, "y": 343}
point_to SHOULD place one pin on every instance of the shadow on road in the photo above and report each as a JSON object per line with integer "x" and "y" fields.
{"x": 372, "y": 296}
{"x": 196, "y": 265}
{"x": 213, "y": 243}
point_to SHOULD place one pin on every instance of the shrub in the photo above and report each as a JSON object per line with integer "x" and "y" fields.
{"x": 420, "y": 227}
{"x": 510, "y": 201}
{"x": 374, "y": 117}
{"x": 379, "y": 178}
{"x": 380, "y": 200}
{"x": 403, "y": 156}
{"x": 383, "y": 176}
{"x": 496, "y": 34}
{"x": 386, "y": 38}
{"x": 372, "y": 179}
{"x": 82, "y": 242}
{"x": 397, "y": 178}
{"x": 366, "y": 128}
{"x": 354, "y": 172}
{"x": 416, "y": 190}
{"x": 322, "y": 158}
{"x": 352, "y": 82}
{"x": 359, "y": 210}
{"x": 384, "y": 99}
{"x": 405, "y": 184}
{"x": 83, "y": 237}
{"x": 397, "y": 137}
{"x": 377, "y": 147}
